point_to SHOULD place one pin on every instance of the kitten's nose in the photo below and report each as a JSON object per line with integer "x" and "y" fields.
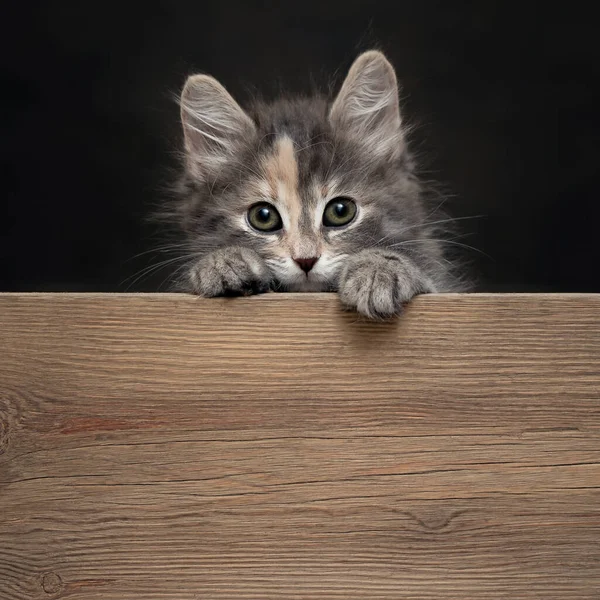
{"x": 306, "y": 264}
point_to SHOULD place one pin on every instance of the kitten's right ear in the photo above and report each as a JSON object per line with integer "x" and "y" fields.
{"x": 214, "y": 124}
{"x": 367, "y": 108}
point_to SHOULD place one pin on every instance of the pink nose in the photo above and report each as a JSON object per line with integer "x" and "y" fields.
{"x": 306, "y": 264}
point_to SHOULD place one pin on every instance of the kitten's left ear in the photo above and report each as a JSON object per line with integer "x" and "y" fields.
{"x": 367, "y": 105}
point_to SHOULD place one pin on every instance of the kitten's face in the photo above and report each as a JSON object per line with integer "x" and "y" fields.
{"x": 304, "y": 183}
{"x": 299, "y": 225}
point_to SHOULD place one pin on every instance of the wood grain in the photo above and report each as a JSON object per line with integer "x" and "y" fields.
{"x": 167, "y": 447}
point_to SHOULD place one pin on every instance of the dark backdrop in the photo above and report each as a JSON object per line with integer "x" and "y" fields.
{"x": 504, "y": 93}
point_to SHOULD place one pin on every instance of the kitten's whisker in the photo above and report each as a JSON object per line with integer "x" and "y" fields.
{"x": 441, "y": 241}
{"x": 438, "y": 207}
{"x": 381, "y": 240}
{"x": 159, "y": 249}
{"x": 172, "y": 275}
{"x": 418, "y": 225}
{"x": 153, "y": 268}
{"x": 437, "y": 260}
{"x": 430, "y": 223}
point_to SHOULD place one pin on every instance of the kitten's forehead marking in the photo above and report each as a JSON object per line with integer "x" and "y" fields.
{"x": 282, "y": 175}
{"x": 281, "y": 170}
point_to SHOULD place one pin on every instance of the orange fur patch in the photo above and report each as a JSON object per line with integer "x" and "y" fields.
{"x": 281, "y": 170}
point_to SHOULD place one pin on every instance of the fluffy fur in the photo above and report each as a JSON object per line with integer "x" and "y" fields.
{"x": 298, "y": 154}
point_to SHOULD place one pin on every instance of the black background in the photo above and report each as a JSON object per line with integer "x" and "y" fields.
{"x": 504, "y": 93}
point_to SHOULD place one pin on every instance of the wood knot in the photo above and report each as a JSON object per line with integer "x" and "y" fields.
{"x": 4, "y": 431}
{"x": 51, "y": 583}
{"x": 436, "y": 521}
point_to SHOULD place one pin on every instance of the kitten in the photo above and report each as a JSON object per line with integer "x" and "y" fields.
{"x": 308, "y": 195}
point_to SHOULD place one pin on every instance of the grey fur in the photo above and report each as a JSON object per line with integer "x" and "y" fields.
{"x": 354, "y": 146}
{"x": 377, "y": 282}
{"x": 231, "y": 270}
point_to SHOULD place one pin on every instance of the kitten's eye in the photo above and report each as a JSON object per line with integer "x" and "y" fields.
{"x": 339, "y": 212}
{"x": 264, "y": 217}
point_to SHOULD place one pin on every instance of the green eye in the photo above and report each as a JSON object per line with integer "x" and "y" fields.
{"x": 339, "y": 212}
{"x": 264, "y": 217}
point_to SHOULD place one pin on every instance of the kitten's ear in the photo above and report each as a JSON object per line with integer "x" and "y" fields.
{"x": 367, "y": 105}
{"x": 214, "y": 124}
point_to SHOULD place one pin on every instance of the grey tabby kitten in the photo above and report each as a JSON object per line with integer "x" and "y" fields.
{"x": 307, "y": 195}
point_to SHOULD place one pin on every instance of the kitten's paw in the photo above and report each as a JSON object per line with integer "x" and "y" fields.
{"x": 232, "y": 271}
{"x": 377, "y": 283}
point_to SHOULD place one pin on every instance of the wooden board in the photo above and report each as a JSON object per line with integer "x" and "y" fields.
{"x": 168, "y": 447}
